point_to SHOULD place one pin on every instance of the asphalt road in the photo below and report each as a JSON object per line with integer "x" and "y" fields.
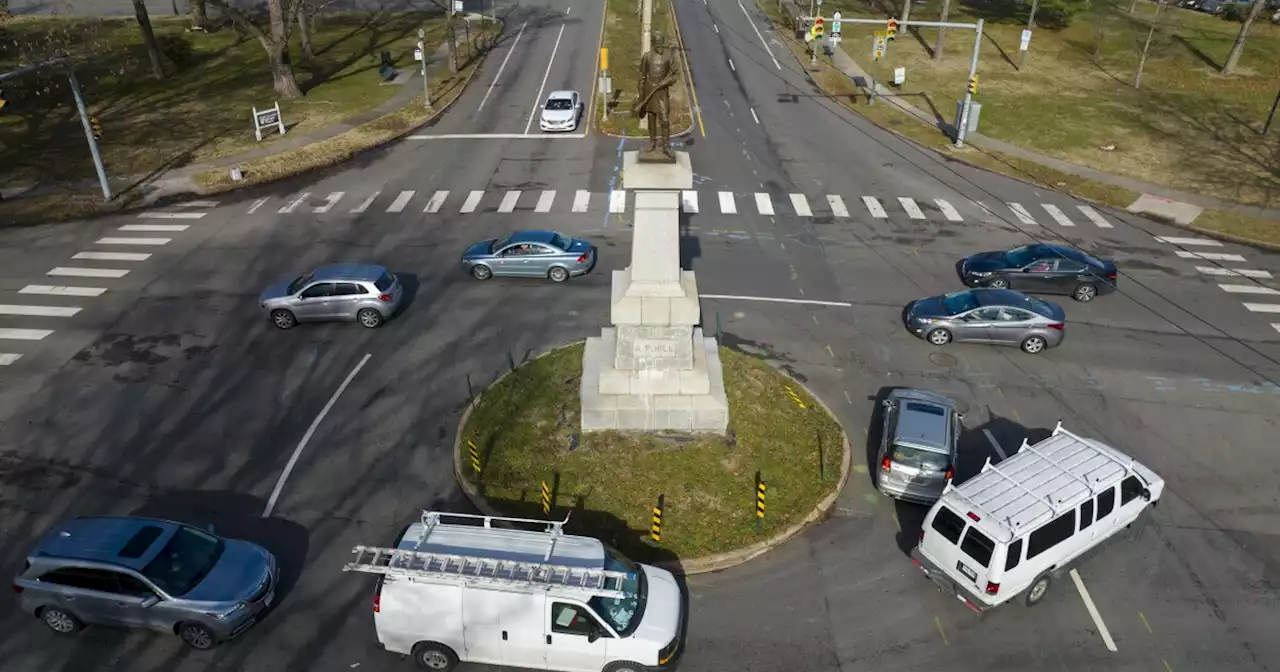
{"x": 168, "y": 394}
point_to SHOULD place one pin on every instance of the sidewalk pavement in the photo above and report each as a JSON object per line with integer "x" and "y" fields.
{"x": 845, "y": 63}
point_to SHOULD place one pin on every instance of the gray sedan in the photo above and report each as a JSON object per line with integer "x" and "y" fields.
{"x": 999, "y": 316}
{"x": 530, "y": 254}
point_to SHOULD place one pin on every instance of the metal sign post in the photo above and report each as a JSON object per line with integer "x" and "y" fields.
{"x": 426, "y": 88}
{"x": 268, "y": 117}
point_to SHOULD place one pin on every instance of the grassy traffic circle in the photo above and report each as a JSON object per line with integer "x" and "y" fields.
{"x": 526, "y": 429}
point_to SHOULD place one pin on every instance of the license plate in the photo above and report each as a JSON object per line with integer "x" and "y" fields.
{"x": 271, "y": 596}
{"x": 964, "y": 569}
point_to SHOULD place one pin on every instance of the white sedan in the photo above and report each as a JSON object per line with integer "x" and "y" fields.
{"x": 561, "y": 112}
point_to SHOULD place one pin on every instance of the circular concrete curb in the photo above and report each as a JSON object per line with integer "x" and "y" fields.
{"x": 704, "y": 564}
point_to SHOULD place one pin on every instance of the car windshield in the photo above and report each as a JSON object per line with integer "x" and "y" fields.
{"x": 919, "y": 459}
{"x": 1020, "y": 256}
{"x": 560, "y": 104}
{"x": 299, "y": 282}
{"x": 498, "y": 244}
{"x": 958, "y": 302}
{"x": 561, "y": 242}
{"x": 184, "y": 561}
{"x": 384, "y": 282}
{"x": 623, "y": 614}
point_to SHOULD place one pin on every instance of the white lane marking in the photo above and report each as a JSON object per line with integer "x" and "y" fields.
{"x": 257, "y": 204}
{"x": 545, "y": 200}
{"x": 74, "y": 272}
{"x": 995, "y": 444}
{"x": 689, "y": 201}
{"x": 171, "y": 215}
{"x": 112, "y": 256}
{"x": 763, "y": 204}
{"x": 731, "y": 65}
{"x": 62, "y": 290}
{"x": 753, "y": 27}
{"x": 330, "y": 201}
{"x": 581, "y": 200}
{"x": 1209, "y": 256}
{"x": 401, "y": 201}
{"x": 913, "y": 210}
{"x": 7, "y": 358}
{"x": 38, "y": 311}
{"x": 473, "y": 200}
{"x": 155, "y": 228}
{"x": 617, "y": 201}
{"x": 197, "y": 204}
{"x": 1235, "y": 272}
{"x": 714, "y": 25}
{"x": 1207, "y": 242}
{"x": 292, "y": 205}
{"x": 1057, "y": 214}
{"x": 1249, "y": 289}
{"x": 874, "y": 207}
{"x": 502, "y": 67}
{"x": 801, "y": 205}
{"x": 24, "y": 334}
{"x": 537, "y": 103}
{"x": 753, "y": 114}
{"x": 837, "y": 206}
{"x": 436, "y": 201}
{"x": 1022, "y": 214}
{"x": 727, "y": 204}
{"x": 509, "y": 201}
{"x": 1094, "y": 216}
{"x": 949, "y": 211}
{"x": 1276, "y": 325}
{"x": 1263, "y": 307}
{"x": 133, "y": 241}
{"x": 499, "y": 136}
{"x": 364, "y": 205}
{"x": 1093, "y": 612}
{"x": 770, "y": 299}
{"x": 293, "y": 459}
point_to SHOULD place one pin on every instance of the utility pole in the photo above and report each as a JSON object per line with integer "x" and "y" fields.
{"x": 426, "y": 88}
{"x": 1031, "y": 23}
{"x": 968, "y": 95}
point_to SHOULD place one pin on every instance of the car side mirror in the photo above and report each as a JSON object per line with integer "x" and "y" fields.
{"x": 1146, "y": 494}
{"x": 593, "y": 636}
{"x": 209, "y": 527}
{"x": 149, "y": 602}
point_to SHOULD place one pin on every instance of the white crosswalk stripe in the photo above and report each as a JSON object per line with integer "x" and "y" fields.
{"x": 1022, "y": 214}
{"x": 473, "y": 200}
{"x": 364, "y": 205}
{"x": 763, "y": 204}
{"x": 837, "y": 206}
{"x": 689, "y": 201}
{"x": 77, "y": 272}
{"x": 436, "y": 202}
{"x": 112, "y": 256}
{"x": 874, "y": 207}
{"x": 1057, "y": 214}
{"x": 1275, "y": 325}
{"x": 329, "y": 201}
{"x": 173, "y": 215}
{"x": 293, "y": 205}
{"x": 155, "y": 228}
{"x": 109, "y": 240}
{"x": 258, "y": 204}
{"x": 801, "y": 205}
{"x": 581, "y": 200}
{"x": 24, "y": 334}
{"x": 1209, "y": 256}
{"x": 728, "y": 206}
{"x": 1207, "y": 242}
{"x": 949, "y": 211}
{"x": 617, "y": 201}
{"x": 1235, "y": 272}
{"x": 1094, "y": 216}
{"x": 913, "y": 210}
{"x": 39, "y": 311}
{"x": 1249, "y": 289}
{"x": 1263, "y": 307}
{"x": 62, "y": 290}
{"x": 401, "y": 201}
{"x": 545, "y": 199}
{"x": 7, "y": 358}
{"x": 509, "y": 201}
{"x": 197, "y": 204}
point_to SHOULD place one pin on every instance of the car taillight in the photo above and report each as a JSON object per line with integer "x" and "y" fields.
{"x": 950, "y": 472}
{"x": 17, "y": 588}
{"x": 384, "y": 298}
{"x": 1058, "y": 325}
{"x": 992, "y": 588}
{"x": 886, "y": 464}
{"x": 377, "y": 603}
{"x": 1111, "y": 276}
{"x": 582, "y": 258}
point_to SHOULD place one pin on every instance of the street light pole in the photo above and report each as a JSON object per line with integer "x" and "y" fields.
{"x": 426, "y": 88}
{"x": 88, "y": 134}
{"x": 968, "y": 96}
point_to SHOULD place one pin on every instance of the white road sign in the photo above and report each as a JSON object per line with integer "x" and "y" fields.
{"x": 899, "y": 76}
{"x": 878, "y": 50}
{"x": 1026, "y": 40}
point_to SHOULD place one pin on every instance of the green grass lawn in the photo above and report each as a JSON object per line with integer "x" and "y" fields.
{"x": 202, "y": 110}
{"x": 622, "y": 39}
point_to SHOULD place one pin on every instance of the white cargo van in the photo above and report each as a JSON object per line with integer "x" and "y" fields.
{"x": 536, "y": 599}
{"x": 1016, "y": 526}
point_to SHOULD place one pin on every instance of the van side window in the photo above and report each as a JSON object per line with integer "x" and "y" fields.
{"x": 976, "y": 545}
{"x": 1129, "y": 489}
{"x": 948, "y": 524}
{"x": 1053, "y": 533}
{"x": 1015, "y": 555}
{"x": 1086, "y": 514}
{"x": 1106, "y": 502}
{"x": 570, "y": 619}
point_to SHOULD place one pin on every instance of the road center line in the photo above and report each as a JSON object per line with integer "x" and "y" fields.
{"x": 293, "y": 459}
{"x": 813, "y": 302}
{"x": 753, "y": 115}
{"x": 731, "y": 65}
{"x": 501, "y": 67}
{"x": 538, "y": 103}
{"x": 753, "y": 27}
{"x": 995, "y": 444}
{"x": 1093, "y": 611}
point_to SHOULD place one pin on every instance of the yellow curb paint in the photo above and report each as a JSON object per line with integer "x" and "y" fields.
{"x": 600, "y": 52}
{"x": 1145, "y": 624}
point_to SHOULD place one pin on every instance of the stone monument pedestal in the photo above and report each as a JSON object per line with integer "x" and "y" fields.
{"x": 638, "y": 174}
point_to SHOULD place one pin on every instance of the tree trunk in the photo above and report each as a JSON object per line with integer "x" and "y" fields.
{"x": 452, "y": 31}
{"x": 149, "y": 38}
{"x": 277, "y": 45}
{"x": 304, "y": 34}
{"x": 1142, "y": 62}
{"x": 1233, "y": 58}
{"x": 199, "y": 14}
{"x": 937, "y": 45}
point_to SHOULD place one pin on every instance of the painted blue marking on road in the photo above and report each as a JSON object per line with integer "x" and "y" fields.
{"x": 613, "y": 181}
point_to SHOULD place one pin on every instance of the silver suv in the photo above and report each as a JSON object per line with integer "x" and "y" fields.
{"x": 143, "y": 573}
{"x": 917, "y": 445}
{"x": 365, "y": 293}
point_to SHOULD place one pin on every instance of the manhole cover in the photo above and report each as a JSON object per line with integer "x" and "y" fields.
{"x": 942, "y": 359}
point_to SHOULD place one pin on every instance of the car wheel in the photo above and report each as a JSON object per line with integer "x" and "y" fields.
{"x": 998, "y": 283}
{"x": 939, "y": 336}
{"x": 197, "y": 636}
{"x": 623, "y": 666}
{"x": 283, "y": 319}
{"x": 433, "y": 656}
{"x": 370, "y": 318}
{"x": 1038, "y": 589}
{"x": 481, "y": 272}
{"x": 1033, "y": 345}
{"x": 558, "y": 274}
{"x": 1084, "y": 293}
{"x": 59, "y": 621}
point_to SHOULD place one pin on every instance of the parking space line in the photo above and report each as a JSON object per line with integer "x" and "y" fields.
{"x": 1093, "y": 612}
{"x": 769, "y": 299}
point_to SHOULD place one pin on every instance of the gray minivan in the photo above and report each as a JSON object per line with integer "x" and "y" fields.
{"x": 917, "y": 453}
{"x": 144, "y": 573}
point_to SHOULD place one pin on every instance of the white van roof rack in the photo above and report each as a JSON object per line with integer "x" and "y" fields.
{"x": 488, "y": 571}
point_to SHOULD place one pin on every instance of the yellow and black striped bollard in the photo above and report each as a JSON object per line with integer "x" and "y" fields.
{"x": 760, "y": 490}
{"x": 475, "y": 456}
{"x": 655, "y": 532}
{"x": 546, "y": 499}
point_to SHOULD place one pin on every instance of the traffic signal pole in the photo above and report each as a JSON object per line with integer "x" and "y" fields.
{"x": 962, "y": 128}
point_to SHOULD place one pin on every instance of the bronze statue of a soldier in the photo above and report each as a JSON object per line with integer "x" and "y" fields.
{"x": 658, "y": 73}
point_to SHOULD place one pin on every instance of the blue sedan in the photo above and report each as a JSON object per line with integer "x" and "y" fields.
{"x": 530, "y": 254}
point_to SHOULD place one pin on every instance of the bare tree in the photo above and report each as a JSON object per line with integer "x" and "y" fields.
{"x": 149, "y": 38}
{"x": 937, "y": 45}
{"x": 1146, "y": 46}
{"x": 307, "y": 12}
{"x": 274, "y": 38}
{"x": 451, "y": 32}
{"x": 1233, "y": 58}
{"x": 199, "y": 15}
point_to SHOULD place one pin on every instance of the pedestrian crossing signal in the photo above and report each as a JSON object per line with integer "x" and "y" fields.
{"x": 819, "y": 27}
{"x": 891, "y": 29}
{"x": 973, "y": 85}
{"x": 97, "y": 128}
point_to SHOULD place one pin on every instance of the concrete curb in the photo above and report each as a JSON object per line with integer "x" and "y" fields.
{"x": 702, "y": 565}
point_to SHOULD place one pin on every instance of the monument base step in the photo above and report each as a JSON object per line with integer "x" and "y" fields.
{"x": 707, "y": 412}
{"x": 637, "y": 174}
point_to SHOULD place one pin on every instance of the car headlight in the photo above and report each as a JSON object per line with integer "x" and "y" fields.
{"x": 980, "y": 274}
{"x": 228, "y": 613}
{"x": 926, "y": 320}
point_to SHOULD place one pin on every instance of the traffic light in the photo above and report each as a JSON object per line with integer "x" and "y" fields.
{"x": 3, "y": 100}
{"x": 973, "y": 85}
{"x": 97, "y": 128}
{"x": 819, "y": 27}
{"x": 891, "y": 29}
